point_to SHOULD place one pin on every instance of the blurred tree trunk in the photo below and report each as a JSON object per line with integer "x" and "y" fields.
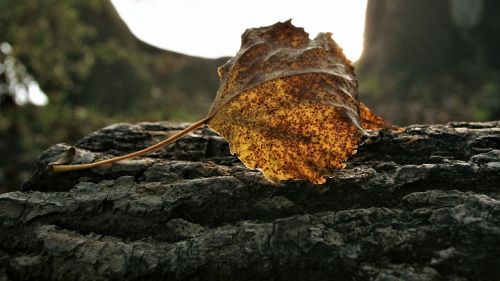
{"x": 432, "y": 61}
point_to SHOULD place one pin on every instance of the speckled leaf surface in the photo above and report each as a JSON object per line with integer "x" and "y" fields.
{"x": 288, "y": 105}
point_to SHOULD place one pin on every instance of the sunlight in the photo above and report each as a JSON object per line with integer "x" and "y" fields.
{"x": 213, "y": 28}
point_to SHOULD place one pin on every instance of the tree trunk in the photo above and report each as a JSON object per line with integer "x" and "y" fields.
{"x": 418, "y": 204}
{"x": 432, "y": 61}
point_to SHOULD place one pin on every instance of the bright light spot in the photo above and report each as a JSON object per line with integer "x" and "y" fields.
{"x": 5, "y": 48}
{"x": 213, "y": 28}
{"x": 30, "y": 94}
{"x": 36, "y": 95}
{"x": 21, "y": 96}
{"x": 18, "y": 82}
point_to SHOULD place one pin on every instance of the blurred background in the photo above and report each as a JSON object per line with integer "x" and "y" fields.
{"x": 71, "y": 67}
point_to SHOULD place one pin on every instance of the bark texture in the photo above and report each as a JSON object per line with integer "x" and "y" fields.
{"x": 420, "y": 204}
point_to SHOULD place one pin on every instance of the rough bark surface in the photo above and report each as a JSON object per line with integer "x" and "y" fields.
{"x": 419, "y": 204}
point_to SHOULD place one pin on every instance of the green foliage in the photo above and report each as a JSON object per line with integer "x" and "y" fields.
{"x": 94, "y": 71}
{"x": 51, "y": 43}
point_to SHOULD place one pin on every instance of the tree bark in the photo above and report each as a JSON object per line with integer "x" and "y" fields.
{"x": 418, "y": 204}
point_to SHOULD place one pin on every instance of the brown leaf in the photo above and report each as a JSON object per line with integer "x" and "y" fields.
{"x": 288, "y": 105}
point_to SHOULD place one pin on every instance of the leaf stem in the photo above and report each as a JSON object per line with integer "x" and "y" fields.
{"x": 57, "y": 168}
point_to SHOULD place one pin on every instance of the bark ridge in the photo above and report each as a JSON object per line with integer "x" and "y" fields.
{"x": 418, "y": 204}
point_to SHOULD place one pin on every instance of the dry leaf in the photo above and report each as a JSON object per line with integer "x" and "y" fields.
{"x": 286, "y": 104}
{"x": 370, "y": 121}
